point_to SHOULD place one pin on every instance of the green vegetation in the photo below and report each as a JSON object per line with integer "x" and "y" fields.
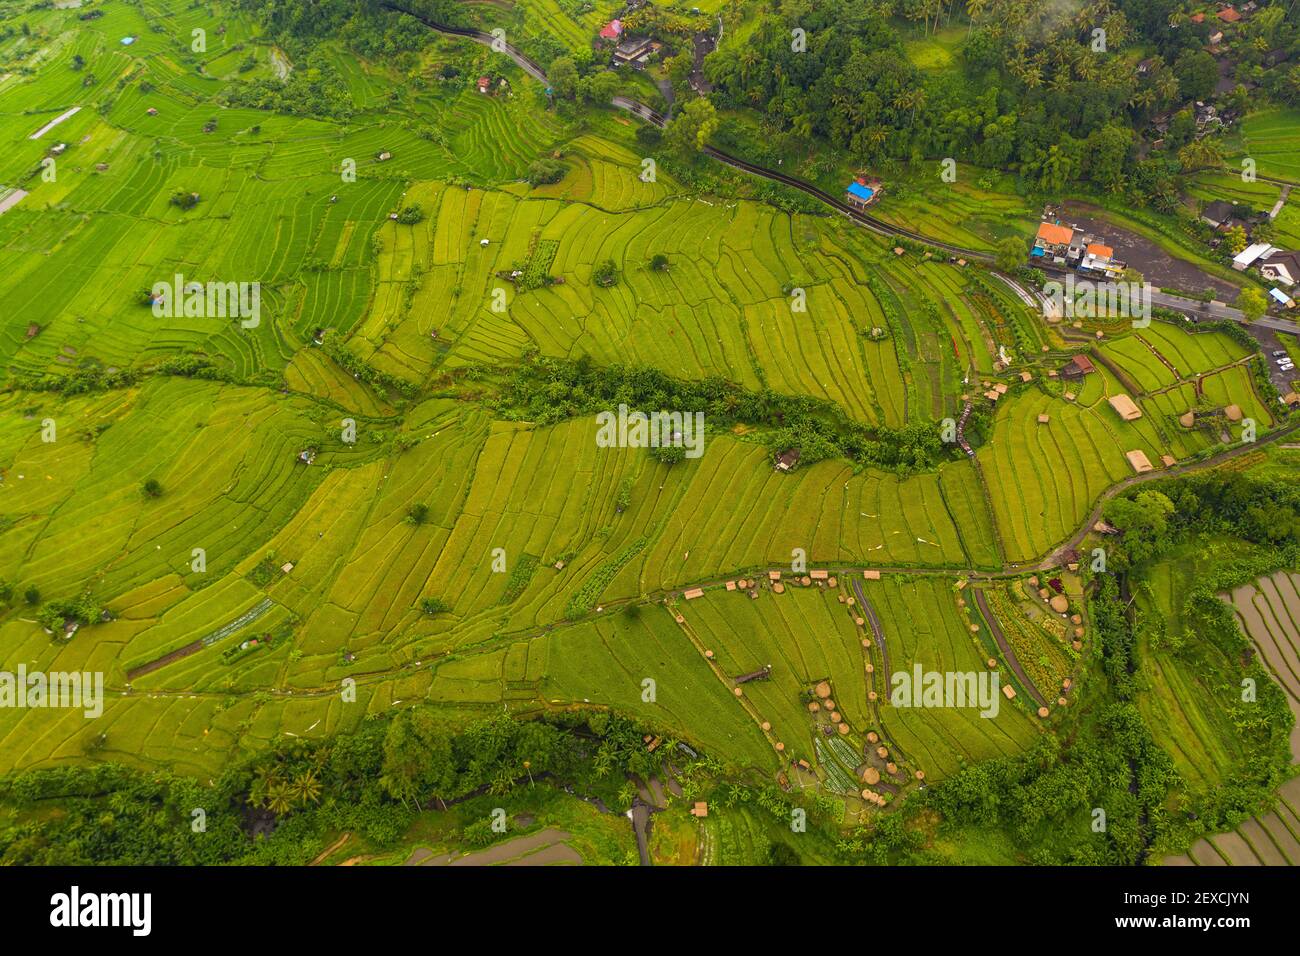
{"x": 354, "y": 570}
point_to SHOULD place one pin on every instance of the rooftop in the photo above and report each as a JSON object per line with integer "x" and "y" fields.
{"x": 1055, "y": 234}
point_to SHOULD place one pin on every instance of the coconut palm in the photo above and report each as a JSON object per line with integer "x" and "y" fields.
{"x": 306, "y": 788}
{"x": 279, "y": 797}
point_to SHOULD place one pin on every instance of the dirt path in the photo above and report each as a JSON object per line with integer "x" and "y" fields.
{"x": 874, "y": 621}
{"x": 544, "y": 846}
{"x": 1005, "y": 647}
{"x": 330, "y": 849}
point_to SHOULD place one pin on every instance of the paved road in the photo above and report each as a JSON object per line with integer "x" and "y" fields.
{"x": 1213, "y": 310}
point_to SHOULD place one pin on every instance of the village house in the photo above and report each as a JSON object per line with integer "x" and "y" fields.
{"x": 1218, "y": 212}
{"x": 862, "y": 192}
{"x": 1251, "y": 254}
{"x": 1054, "y": 241}
{"x": 1281, "y": 267}
{"x": 484, "y": 83}
{"x": 1098, "y": 257}
{"x": 1126, "y": 407}
{"x": 635, "y": 50}
{"x": 1139, "y": 461}
{"x": 611, "y": 31}
{"x": 1281, "y": 298}
{"x": 1228, "y": 15}
{"x": 1078, "y": 367}
{"x": 787, "y": 459}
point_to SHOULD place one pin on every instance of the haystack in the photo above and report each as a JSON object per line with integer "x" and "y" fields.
{"x": 871, "y": 775}
{"x": 1232, "y": 413}
{"x": 1060, "y": 603}
{"x": 823, "y": 689}
{"x": 1187, "y": 420}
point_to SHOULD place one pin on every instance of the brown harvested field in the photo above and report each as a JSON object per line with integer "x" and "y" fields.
{"x": 1269, "y": 611}
{"x": 1282, "y": 836}
{"x": 1236, "y": 849}
{"x": 1204, "y": 854}
{"x": 1270, "y": 840}
{"x": 1262, "y": 844}
{"x": 543, "y": 848}
{"x": 557, "y": 854}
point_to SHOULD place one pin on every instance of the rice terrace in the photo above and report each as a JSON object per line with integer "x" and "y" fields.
{"x": 460, "y": 433}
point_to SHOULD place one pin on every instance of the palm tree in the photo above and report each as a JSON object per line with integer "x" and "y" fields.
{"x": 262, "y": 781}
{"x": 306, "y": 788}
{"x": 279, "y": 798}
{"x": 974, "y": 10}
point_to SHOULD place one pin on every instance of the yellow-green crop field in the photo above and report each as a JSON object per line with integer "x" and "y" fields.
{"x": 325, "y": 515}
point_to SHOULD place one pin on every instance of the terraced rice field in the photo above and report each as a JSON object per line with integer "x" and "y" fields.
{"x": 1269, "y": 612}
{"x": 1270, "y": 138}
{"x": 389, "y": 327}
{"x": 1269, "y": 840}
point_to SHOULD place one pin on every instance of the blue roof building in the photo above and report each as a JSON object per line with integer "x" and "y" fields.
{"x": 859, "y": 194}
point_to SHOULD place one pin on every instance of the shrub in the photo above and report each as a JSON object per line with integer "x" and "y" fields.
{"x": 433, "y": 605}
{"x": 605, "y": 274}
{"x": 546, "y": 170}
{"x": 152, "y": 488}
{"x": 410, "y": 215}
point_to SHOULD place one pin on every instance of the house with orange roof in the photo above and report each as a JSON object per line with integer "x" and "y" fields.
{"x": 1053, "y": 240}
